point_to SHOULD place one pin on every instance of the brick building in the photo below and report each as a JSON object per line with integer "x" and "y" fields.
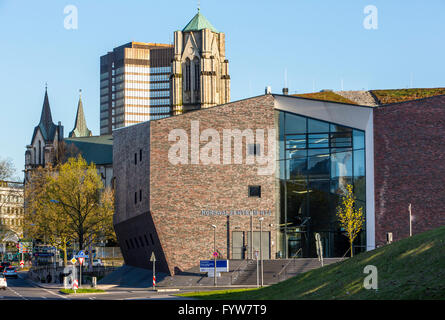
{"x": 409, "y": 166}
{"x": 176, "y": 184}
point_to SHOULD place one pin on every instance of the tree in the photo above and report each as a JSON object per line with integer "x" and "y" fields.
{"x": 70, "y": 202}
{"x": 43, "y": 220}
{"x": 350, "y": 218}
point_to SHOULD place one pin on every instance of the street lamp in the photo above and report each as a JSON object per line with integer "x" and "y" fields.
{"x": 261, "y": 248}
{"x": 214, "y": 254}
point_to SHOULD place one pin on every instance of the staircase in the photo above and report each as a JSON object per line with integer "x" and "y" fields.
{"x": 244, "y": 272}
{"x": 278, "y": 270}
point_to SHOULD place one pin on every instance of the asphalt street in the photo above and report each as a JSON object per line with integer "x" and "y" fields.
{"x": 24, "y": 289}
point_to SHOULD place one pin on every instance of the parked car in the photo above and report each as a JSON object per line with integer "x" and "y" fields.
{"x": 3, "y": 283}
{"x": 96, "y": 263}
{"x": 10, "y": 272}
{"x": 3, "y": 265}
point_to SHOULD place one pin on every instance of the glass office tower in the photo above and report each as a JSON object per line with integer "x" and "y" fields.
{"x": 317, "y": 160}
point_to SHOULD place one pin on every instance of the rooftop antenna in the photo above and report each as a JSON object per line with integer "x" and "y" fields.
{"x": 199, "y": 5}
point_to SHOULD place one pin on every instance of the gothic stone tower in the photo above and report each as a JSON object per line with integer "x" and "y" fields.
{"x": 200, "y": 71}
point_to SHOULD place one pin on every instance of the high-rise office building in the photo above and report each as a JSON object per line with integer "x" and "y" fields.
{"x": 134, "y": 85}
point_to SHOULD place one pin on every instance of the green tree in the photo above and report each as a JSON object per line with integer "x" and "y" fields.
{"x": 71, "y": 203}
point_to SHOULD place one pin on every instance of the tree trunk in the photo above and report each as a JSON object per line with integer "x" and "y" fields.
{"x": 65, "y": 260}
{"x": 352, "y": 254}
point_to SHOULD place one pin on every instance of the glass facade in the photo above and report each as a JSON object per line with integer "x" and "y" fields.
{"x": 317, "y": 159}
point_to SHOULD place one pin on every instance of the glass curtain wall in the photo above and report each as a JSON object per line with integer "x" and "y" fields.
{"x": 317, "y": 160}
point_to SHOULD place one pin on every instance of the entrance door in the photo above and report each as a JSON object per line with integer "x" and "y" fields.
{"x": 256, "y": 243}
{"x": 238, "y": 245}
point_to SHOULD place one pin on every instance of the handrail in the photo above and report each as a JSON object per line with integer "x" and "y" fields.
{"x": 293, "y": 257}
{"x": 346, "y": 253}
{"x": 237, "y": 270}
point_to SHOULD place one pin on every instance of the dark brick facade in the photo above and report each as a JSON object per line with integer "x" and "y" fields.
{"x": 409, "y": 167}
{"x": 174, "y": 195}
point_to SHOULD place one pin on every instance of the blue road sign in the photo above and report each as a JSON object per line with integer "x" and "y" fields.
{"x": 209, "y": 265}
{"x": 81, "y": 254}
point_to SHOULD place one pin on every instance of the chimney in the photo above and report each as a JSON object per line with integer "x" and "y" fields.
{"x": 268, "y": 90}
{"x": 285, "y": 91}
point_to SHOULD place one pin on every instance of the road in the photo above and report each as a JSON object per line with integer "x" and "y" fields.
{"x": 23, "y": 289}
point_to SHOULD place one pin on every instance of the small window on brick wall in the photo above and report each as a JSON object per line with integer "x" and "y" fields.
{"x": 254, "y": 149}
{"x": 135, "y": 158}
{"x": 140, "y": 155}
{"x": 135, "y": 197}
{"x": 140, "y": 195}
{"x": 255, "y": 191}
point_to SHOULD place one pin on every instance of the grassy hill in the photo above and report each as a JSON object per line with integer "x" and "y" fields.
{"x": 412, "y": 268}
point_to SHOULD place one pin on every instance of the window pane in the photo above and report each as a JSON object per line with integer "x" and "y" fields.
{"x": 359, "y": 175}
{"x": 296, "y": 164}
{"x": 294, "y": 124}
{"x": 317, "y": 126}
{"x": 318, "y": 164}
{"x": 318, "y": 140}
{"x": 341, "y": 171}
{"x": 359, "y": 139}
{"x": 341, "y": 139}
{"x": 296, "y": 141}
{"x": 339, "y": 128}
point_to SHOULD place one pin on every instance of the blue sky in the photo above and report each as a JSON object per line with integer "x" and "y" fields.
{"x": 319, "y": 43}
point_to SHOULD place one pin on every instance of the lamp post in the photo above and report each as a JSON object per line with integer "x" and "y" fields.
{"x": 214, "y": 255}
{"x": 410, "y": 221}
{"x": 261, "y": 248}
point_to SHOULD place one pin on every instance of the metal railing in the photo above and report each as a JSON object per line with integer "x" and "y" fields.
{"x": 242, "y": 267}
{"x": 293, "y": 258}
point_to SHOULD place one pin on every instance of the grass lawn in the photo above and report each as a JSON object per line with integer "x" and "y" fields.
{"x": 412, "y": 268}
{"x": 82, "y": 291}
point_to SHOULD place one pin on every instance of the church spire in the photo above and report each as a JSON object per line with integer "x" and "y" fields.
{"x": 80, "y": 125}
{"x": 46, "y": 119}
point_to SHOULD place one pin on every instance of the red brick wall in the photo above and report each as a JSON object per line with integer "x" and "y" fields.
{"x": 178, "y": 193}
{"x": 409, "y": 166}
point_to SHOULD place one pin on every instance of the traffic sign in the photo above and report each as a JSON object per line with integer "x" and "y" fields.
{"x": 153, "y": 257}
{"x": 73, "y": 260}
{"x": 75, "y": 285}
{"x": 22, "y": 263}
{"x": 81, "y": 254}
{"x": 215, "y": 254}
{"x": 81, "y": 260}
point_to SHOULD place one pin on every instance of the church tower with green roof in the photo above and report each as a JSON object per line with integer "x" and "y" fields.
{"x": 200, "y": 70}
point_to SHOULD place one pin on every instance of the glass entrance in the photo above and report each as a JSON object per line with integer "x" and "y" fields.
{"x": 317, "y": 160}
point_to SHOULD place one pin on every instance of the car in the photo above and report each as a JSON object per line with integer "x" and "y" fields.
{"x": 10, "y": 272}
{"x": 97, "y": 263}
{"x": 3, "y": 283}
